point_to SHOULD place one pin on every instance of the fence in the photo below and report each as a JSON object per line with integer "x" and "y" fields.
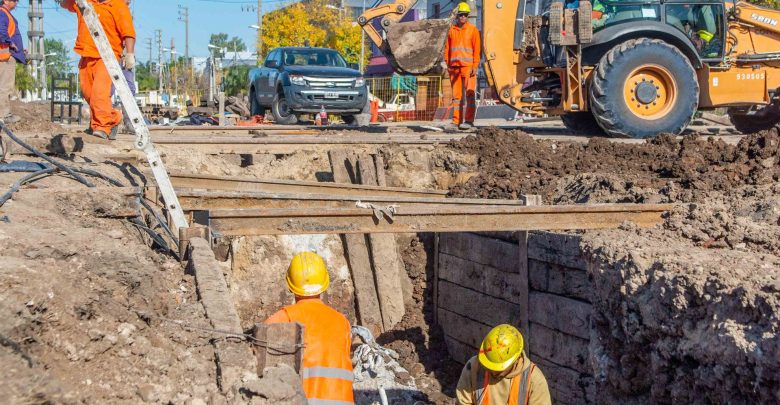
{"x": 407, "y": 98}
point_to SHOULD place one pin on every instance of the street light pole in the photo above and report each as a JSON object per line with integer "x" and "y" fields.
{"x": 363, "y": 42}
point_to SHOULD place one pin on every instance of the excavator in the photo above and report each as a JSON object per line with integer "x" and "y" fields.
{"x": 628, "y": 68}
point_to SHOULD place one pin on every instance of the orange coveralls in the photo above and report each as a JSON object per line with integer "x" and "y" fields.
{"x": 117, "y": 22}
{"x": 462, "y": 53}
{"x": 327, "y": 366}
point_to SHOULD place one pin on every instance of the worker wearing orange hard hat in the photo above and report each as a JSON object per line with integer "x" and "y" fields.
{"x": 327, "y": 367}
{"x": 117, "y": 22}
{"x": 461, "y": 55}
{"x": 501, "y": 374}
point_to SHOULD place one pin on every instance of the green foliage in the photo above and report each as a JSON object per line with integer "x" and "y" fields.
{"x": 24, "y": 80}
{"x": 58, "y": 65}
{"x": 236, "y": 80}
{"x": 145, "y": 79}
{"x": 221, "y": 40}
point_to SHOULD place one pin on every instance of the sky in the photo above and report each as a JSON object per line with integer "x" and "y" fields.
{"x": 206, "y": 17}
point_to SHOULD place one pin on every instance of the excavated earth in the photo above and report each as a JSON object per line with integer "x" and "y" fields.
{"x": 688, "y": 311}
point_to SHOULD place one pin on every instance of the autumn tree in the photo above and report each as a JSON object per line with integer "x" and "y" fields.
{"x": 317, "y": 23}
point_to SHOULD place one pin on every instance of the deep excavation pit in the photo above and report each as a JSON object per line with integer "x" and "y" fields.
{"x": 686, "y": 311}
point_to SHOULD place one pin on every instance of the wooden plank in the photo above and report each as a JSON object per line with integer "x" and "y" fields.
{"x": 381, "y": 178}
{"x": 524, "y": 279}
{"x": 483, "y": 250}
{"x": 237, "y": 183}
{"x": 558, "y": 248}
{"x": 367, "y": 170}
{"x": 560, "y": 280}
{"x": 463, "y": 329}
{"x": 356, "y": 246}
{"x": 436, "y": 272}
{"x": 283, "y": 345}
{"x": 567, "y": 386}
{"x": 485, "y": 279}
{"x": 560, "y": 313}
{"x": 432, "y": 218}
{"x": 560, "y": 348}
{"x": 459, "y": 351}
{"x": 477, "y": 306}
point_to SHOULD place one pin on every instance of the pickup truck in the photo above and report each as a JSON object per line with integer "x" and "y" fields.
{"x": 296, "y": 80}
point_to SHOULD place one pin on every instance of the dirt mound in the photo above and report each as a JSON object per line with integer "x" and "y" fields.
{"x": 732, "y": 191}
{"x": 676, "y": 324}
{"x": 36, "y": 118}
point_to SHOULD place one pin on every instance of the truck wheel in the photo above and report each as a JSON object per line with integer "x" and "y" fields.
{"x": 349, "y": 119}
{"x": 582, "y": 123}
{"x": 642, "y": 88}
{"x": 281, "y": 111}
{"x": 254, "y": 105}
{"x": 764, "y": 119}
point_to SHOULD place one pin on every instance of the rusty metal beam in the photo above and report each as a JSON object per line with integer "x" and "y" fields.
{"x": 431, "y": 218}
{"x": 232, "y": 183}
{"x": 200, "y": 200}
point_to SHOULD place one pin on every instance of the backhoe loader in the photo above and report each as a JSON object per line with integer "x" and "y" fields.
{"x": 627, "y": 68}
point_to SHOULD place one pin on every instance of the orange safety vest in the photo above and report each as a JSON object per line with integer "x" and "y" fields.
{"x": 327, "y": 368}
{"x": 5, "y": 49}
{"x": 463, "y": 45}
{"x": 519, "y": 392}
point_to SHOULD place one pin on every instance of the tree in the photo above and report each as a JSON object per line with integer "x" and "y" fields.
{"x": 57, "y": 65}
{"x": 221, "y": 40}
{"x": 236, "y": 80}
{"x": 292, "y": 27}
{"x": 23, "y": 80}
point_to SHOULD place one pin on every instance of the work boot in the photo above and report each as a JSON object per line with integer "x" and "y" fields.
{"x": 100, "y": 134}
{"x": 112, "y": 134}
{"x": 465, "y": 126}
{"x": 88, "y": 131}
{"x": 11, "y": 119}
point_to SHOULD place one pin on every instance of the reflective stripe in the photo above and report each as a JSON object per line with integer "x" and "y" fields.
{"x": 463, "y": 59}
{"x": 525, "y": 385}
{"x": 315, "y": 401}
{"x": 460, "y": 48}
{"x": 327, "y": 372}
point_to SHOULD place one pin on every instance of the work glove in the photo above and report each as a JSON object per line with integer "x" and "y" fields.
{"x": 128, "y": 61}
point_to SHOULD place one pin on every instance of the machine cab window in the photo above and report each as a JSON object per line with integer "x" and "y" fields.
{"x": 702, "y": 24}
{"x": 610, "y": 12}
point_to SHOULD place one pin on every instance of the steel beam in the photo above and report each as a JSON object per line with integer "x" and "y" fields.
{"x": 431, "y": 218}
{"x": 232, "y": 183}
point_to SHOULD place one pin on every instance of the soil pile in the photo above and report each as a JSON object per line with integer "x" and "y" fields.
{"x": 86, "y": 307}
{"x": 36, "y": 118}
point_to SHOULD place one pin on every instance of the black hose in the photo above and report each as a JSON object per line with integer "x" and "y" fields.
{"x": 19, "y": 183}
{"x": 162, "y": 223}
{"x": 38, "y": 153}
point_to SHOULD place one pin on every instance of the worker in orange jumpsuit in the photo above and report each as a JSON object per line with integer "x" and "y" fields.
{"x": 327, "y": 367}
{"x": 117, "y": 22}
{"x": 461, "y": 54}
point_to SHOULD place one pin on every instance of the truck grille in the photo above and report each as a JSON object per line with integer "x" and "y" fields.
{"x": 330, "y": 83}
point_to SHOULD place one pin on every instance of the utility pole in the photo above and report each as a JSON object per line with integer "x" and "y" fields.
{"x": 148, "y": 43}
{"x": 158, "y": 34}
{"x": 260, "y": 30}
{"x": 35, "y": 38}
{"x": 184, "y": 15}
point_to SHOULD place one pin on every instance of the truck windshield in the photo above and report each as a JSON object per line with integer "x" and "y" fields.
{"x": 313, "y": 57}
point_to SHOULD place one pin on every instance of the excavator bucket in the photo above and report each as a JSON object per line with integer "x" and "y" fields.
{"x": 416, "y": 47}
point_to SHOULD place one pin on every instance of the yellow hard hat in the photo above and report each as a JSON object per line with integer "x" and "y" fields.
{"x": 307, "y": 275}
{"x": 705, "y": 35}
{"x": 463, "y": 7}
{"x": 501, "y": 348}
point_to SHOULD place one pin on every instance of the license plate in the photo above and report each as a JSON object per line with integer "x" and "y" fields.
{"x": 331, "y": 94}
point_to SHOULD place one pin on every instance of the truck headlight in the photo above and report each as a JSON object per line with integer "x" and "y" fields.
{"x": 297, "y": 80}
{"x": 360, "y": 82}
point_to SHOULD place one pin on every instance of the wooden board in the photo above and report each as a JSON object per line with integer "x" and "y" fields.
{"x": 477, "y": 306}
{"x": 487, "y": 251}
{"x": 486, "y": 279}
{"x": 279, "y": 343}
{"x": 459, "y": 351}
{"x": 567, "y": 386}
{"x": 560, "y": 348}
{"x": 558, "y": 248}
{"x": 463, "y": 329}
{"x": 560, "y": 280}
{"x": 560, "y": 313}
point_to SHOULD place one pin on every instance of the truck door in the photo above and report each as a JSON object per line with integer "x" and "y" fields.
{"x": 267, "y": 79}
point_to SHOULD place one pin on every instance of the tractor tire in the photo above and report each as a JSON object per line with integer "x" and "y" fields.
{"x": 281, "y": 111}
{"x": 642, "y": 88}
{"x": 254, "y": 105}
{"x": 762, "y": 120}
{"x": 583, "y": 123}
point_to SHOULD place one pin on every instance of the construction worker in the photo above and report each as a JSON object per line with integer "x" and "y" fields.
{"x": 461, "y": 55}
{"x": 501, "y": 374}
{"x": 327, "y": 366}
{"x": 117, "y": 22}
{"x": 11, "y": 52}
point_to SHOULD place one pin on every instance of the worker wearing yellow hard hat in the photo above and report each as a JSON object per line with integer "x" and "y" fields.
{"x": 462, "y": 53}
{"x": 326, "y": 372}
{"x": 501, "y": 373}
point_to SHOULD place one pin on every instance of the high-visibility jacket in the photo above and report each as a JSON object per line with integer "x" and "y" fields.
{"x": 327, "y": 367}
{"x": 5, "y": 47}
{"x": 463, "y": 46}
{"x": 117, "y": 22}
{"x": 524, "y": 385}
